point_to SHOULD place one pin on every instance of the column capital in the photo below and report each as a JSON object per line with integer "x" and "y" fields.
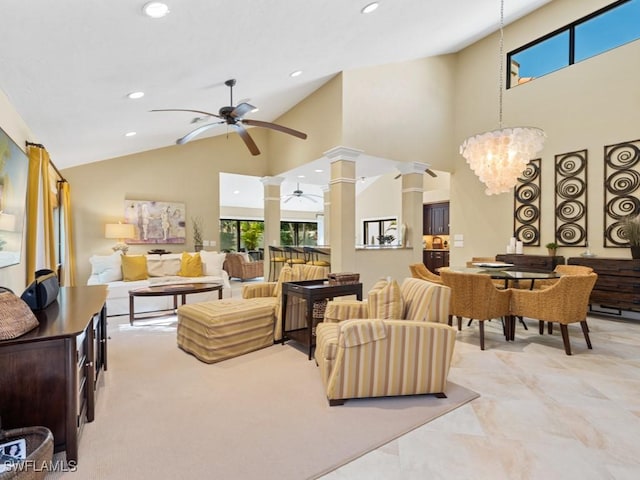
{"x": 412, "y": 167}
{"x": 342, "y": 153}
{"x": 272, "y": 180}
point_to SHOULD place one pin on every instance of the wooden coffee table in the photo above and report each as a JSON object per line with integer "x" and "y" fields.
{"x": 181, "y": 289}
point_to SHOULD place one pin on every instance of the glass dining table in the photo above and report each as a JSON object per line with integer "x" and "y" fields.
{"x": 513, "y": 276}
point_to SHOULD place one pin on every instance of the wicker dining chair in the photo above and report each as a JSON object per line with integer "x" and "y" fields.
{"x": 474, "y": 296}
{"x": 420, "y": 270}
{"x": 565, "y": 302}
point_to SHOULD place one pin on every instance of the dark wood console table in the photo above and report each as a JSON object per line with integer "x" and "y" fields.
{"x": 618, "y": 284}
{"x": 48, "y": 376}
{"x": 543, "y": 263}
{"x": 311, "y": 291}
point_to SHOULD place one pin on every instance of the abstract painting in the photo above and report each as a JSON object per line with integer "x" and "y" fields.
{"x": 155, "y": 222}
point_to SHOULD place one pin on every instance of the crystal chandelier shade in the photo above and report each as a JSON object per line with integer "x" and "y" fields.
{"x": 500, "y": 157}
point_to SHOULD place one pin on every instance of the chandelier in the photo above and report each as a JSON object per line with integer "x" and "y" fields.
{"x": 500, "y": 157}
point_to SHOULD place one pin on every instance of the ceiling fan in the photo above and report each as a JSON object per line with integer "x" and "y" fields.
{"x": 427, "y": 170}
{"x": 297, "y": 193}
{"x": 233, "y": 116}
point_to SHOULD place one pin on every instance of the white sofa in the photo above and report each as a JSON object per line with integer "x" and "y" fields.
{"x": 162, "y": 270}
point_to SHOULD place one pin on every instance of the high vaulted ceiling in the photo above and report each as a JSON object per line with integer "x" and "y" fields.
{"x": 68, "y": 65}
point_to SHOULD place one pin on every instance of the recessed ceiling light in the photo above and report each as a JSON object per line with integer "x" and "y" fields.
{"x": 129, "y": 134}
{"x": 135, "y": 95}
{"x": 296, "y": 73}
{"x": 155, "y": 9}
{"x": 318, "y": 170}
{"x": 236, "y": 192}
{"x": 300, "y": 176}
{"x": 370, "y": 8}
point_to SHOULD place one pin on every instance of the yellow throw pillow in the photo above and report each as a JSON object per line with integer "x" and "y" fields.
{"x": 134, "y": 267}
{"x": 190, "y": 265}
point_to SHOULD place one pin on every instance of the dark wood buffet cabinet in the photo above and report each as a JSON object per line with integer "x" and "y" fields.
{"x": 48, "y": 377}
{"x": 618, "y": 284}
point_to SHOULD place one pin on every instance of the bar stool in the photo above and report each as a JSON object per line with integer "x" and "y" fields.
{"x": 291, "y": 251}
{"x": 312, "y": 257}
{"x": 277, "y": 256}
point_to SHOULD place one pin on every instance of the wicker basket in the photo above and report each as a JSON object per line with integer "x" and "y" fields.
{"x": 345, "y": 278}
{"x": 39, "y": 441}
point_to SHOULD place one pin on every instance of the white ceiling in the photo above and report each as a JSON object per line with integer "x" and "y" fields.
{"x": 68, "y": 65}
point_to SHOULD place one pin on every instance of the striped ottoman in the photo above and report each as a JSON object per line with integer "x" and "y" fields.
{"x": 218, "y": 330}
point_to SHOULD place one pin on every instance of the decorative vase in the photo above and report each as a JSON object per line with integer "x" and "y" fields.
{"x": 197, "y": 247}
{"x": 635, "y": 252}
{"x": 552, "y": 252}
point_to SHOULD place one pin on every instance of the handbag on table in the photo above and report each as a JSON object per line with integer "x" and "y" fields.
{"x": 16, "y": 318}
{"x": 43, "y": 291}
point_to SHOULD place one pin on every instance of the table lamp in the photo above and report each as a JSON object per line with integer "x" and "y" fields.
{"x": 119, "y": 231}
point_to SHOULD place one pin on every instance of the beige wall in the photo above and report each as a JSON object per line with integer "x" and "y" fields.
{"x": 14, "y": 277}
{"x": 186, "y": 173}
{"x": 320, "y": 117}
{"x": 585, "y": 106}
{"x": 382, "y": 199}
{"x": 402, "y": 111}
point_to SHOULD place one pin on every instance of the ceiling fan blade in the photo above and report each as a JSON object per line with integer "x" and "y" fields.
{"x": 288, "y": 199}
{"x": 241, "y": 110}
{"x": 186, "y": 110}
{"x": 251, "y": 145}
{"x": 275, "y": 126}
{"x": 196, "y": 132}
{"x": 428, "y": 171}
{"x": 309, "y": 197}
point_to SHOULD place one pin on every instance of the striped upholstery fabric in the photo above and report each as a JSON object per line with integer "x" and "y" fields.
{"x": 425, "y": 301}
{"x": 262, "y": 289}
{"x": 340, "y": 310}
{"x": 374, "y": 358}
{"x": 218, "y": 330}
{"x": 385, "y": 301}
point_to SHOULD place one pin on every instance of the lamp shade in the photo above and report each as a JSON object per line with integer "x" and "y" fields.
{"x": 119, "y": 230}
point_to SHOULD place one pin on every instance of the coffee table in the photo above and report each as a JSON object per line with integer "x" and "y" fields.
{"x": 181, "y": 289}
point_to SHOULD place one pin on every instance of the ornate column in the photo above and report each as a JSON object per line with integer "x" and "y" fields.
{"x": 342, "y": 208}
{"x": 271, "y": 217}
{"x": 411, "y": 215}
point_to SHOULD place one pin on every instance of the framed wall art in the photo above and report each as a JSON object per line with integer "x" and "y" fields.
{"x": 155, "y": 222}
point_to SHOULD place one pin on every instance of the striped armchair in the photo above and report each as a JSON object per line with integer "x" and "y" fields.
{"x": 377, "y": 357}
{"x": 296, "y": 307}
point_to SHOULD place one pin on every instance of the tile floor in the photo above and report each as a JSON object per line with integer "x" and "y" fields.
{"x": 541, "y": 414}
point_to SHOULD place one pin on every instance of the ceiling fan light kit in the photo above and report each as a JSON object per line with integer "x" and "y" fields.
{"x": 234, "y": 117}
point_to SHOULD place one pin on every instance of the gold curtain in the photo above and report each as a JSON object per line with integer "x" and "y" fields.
{"x": 39, "y": 206}
{"x": 69, "y": 263}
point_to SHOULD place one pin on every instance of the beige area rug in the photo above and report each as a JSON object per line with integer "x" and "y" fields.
{"x": 163, "y": 414}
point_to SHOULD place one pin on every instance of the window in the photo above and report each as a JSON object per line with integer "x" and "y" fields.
{"x": 380, "y": 231}
{"x": 298, "y": 233}
{"x": 236, "y": 235}
{"x": 605, "y": 29}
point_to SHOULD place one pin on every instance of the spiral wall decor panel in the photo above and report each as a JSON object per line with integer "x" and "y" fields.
{"x": 571, "y": 199}
{"x": 621, "y": 189}
{"x": 526, "y": 205}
